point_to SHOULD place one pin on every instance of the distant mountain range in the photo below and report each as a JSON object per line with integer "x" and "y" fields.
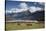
{"x": 26, "y": 15}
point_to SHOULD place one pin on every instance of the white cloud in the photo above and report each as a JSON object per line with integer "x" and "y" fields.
{"x": 12, "y": 10}
{"x": 20, "y": 10}
{"x": 34, "y": 9}
{"x": 24, "y": 7}
{"x": 8, "y": 11}
{"x": 31, "y": 9}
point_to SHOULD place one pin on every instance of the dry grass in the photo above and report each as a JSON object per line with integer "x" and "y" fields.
{"x": 20, "y": 26}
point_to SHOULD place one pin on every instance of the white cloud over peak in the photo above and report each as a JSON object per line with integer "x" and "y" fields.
{"x": 34, "y": 9}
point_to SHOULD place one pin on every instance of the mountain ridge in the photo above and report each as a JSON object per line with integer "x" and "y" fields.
{"x": 26, "y": 15}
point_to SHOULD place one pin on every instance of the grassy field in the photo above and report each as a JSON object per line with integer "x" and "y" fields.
{"x": 20, "y": 26}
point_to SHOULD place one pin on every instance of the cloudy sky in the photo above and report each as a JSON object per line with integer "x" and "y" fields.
{"x": 20, "y": 6}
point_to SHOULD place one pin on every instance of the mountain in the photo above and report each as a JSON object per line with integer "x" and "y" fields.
{"x": 26, "y": 15}
{"x": 21, "y": 15}
{"x": 38, "y": 15}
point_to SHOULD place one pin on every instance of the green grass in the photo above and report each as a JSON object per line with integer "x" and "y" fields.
{"x": 14, "y": 26}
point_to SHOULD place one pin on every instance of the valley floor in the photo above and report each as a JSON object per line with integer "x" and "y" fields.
{"x": 22, "y": 26}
